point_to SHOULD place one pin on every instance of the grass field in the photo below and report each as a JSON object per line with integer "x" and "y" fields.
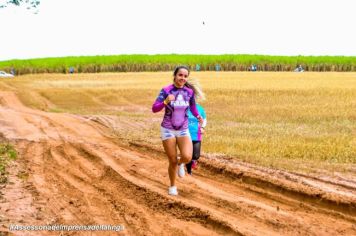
{"x": 297, "y": 121}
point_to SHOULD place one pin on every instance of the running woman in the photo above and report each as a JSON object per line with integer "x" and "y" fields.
{"x": 177, "y": 99}
{"x": 196, "y": 130}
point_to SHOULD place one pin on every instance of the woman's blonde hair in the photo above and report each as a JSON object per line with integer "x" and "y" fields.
{"x": 194, "y": 84}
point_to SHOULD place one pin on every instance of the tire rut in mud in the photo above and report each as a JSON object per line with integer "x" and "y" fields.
{"x": 83, "y": 188}
{"x": 286, "y": 188}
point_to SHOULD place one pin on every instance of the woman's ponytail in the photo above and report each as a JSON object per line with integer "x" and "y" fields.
{"x": 194, "y": 84}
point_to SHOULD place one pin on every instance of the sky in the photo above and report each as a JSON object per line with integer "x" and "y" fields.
{"x": 112, "y": 27}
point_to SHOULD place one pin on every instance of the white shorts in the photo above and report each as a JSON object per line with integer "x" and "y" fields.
{"x": 171, "y": 133}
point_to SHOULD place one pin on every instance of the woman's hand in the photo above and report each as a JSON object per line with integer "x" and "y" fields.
{"x": 200, "y": 119}
{"x": 169, "y": 98}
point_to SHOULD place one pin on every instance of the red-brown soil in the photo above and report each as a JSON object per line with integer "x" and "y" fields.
{"x": 70, "y": 171}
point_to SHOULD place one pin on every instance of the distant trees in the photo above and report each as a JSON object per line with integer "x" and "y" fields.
{"x": 30, "y": 3}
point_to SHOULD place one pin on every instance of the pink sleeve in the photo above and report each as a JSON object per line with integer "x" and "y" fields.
{"x": 193, "y": 107}
{"x": 158, "y": 105}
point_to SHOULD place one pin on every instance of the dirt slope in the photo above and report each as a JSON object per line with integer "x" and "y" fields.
{"x": 75, "y": 174}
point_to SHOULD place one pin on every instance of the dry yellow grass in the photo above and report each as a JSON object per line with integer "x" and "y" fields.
{"x": 285, "y": 120}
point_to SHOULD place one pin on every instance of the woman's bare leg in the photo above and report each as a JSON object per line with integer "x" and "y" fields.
{"x": 186, "y": 149}
{"x": 171, "y": 151}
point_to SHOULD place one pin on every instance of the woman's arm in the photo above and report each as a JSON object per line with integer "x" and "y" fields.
{"x": 193, "y": 108}
{"x": 158, "y": 105}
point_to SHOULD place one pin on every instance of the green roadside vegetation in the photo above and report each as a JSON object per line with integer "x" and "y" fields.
{"x": 166, "y": 62}
{"x": 7, "y": 154}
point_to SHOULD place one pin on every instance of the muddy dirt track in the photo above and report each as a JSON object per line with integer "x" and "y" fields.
{"x": 70, "y": 171}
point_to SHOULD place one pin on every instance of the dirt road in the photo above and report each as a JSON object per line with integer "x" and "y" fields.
{"x": 70, "y": 171}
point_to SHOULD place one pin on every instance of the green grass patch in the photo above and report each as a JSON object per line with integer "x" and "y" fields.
{"x": 7, "y": 154}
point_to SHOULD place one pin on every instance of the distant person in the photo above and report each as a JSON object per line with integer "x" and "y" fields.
{"x": 177, "y": 99}
{"x": 299, "y": 69}
{"x": 253, "y": 67}
{"x": 71, "y": 70}
{"x": 197, "y": 67}
{"x": 196, "y": 131}
{"x": 217, "y": 67}
{"x": 12, "y": 71}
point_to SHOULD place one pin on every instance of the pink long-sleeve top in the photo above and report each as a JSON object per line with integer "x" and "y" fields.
{"x": 176, "y": 112}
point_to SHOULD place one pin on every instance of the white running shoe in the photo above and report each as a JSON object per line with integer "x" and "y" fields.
{"x": 181, "y": 171}
{"x": 173, "y": 191}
